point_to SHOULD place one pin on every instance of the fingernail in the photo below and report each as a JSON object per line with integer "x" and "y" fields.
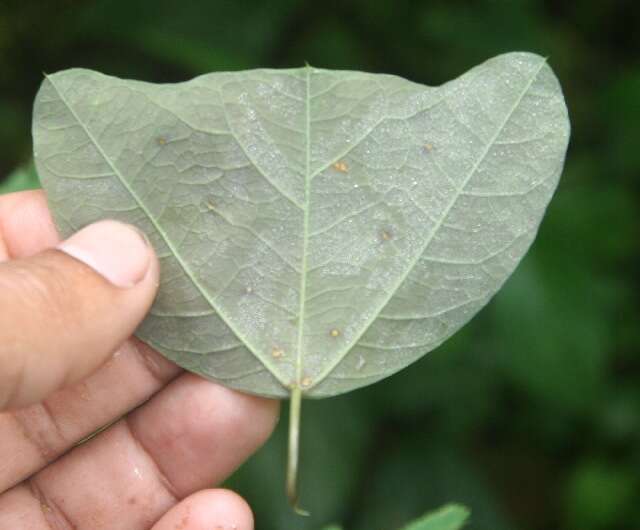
{"x": 117, "y": 251}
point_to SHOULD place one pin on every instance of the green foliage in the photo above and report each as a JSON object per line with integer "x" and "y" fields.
{"x": 23, "y": 178}
{"x": 600, "y": 494}
{"x": 450, "y": 517}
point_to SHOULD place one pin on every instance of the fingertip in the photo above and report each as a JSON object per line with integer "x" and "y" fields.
{"x": 242, "y": 417}
{"x": 248, "y": 416}
{"x": 270, "y": 414}
{"x": 26, "y": 224}
{"x": 202, "y": 431}
{"x": 218, "y": 509}
{"x": 117, "y": 251}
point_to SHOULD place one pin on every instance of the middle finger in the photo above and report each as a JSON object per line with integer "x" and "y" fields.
{"x": 189, "y": 436}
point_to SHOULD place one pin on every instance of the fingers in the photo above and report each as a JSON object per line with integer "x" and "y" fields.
{"x": 208, "y": 510}
{"x": 40, "y": 433}
{"x": 63, "y": 312}
{"x": 190, "y": 435}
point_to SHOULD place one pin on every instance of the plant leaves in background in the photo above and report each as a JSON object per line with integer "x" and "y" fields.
{"x": 23, "y": 178}
{"x": 450, "y": 517}
{"x": 318, "y": 230}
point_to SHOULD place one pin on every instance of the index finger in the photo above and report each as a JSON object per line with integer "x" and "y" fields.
{"x": 26, "y": 225}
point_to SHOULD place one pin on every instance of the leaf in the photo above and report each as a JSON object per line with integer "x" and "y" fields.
{"x": 23, "y": 178}
{"x": 318, "y": 230}
{"x": 450, "y": 517}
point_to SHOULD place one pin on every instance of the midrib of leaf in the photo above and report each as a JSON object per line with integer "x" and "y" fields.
{"x": 305, "y": 229}
{"x": 392, "y": 291}
{"x": 296, "y": 385}
{"x": 164, "y": 236}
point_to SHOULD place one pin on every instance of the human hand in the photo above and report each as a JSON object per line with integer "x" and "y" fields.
{"x": 63, "y": 314}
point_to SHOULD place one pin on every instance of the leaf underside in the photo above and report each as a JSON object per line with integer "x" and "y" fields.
{"x": 316, "y": 229}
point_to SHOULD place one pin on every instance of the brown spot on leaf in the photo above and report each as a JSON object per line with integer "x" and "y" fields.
{"x": 341, "y": 166}
{"x": 210, "y": 203}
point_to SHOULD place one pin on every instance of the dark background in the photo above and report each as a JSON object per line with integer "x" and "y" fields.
{"x": 531, "y": 414}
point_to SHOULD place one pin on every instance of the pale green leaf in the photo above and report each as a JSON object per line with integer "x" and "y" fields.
{"x": 23, "y": 178}
{"x": 315, "y": 227}
{"x": 450, "y": 517}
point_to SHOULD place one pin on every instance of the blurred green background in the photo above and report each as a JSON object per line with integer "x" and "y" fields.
{"x": 531, "y": 414}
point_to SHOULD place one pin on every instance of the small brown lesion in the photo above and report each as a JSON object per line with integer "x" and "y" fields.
{"x": 210, "y": 203}
{"x": 341, "y": 166}
{"x": 428, "y": 147}
{"x": 161, "y": 140}
{"x": 335, "y": 332}
{"x": 277, "y": 352}
{"x": 386, "y": 235}
{"x": 306, "y": 382}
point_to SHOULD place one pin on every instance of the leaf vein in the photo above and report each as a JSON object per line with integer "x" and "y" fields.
{"x": 338, "y": 358}
{"x": 160, "y": 231}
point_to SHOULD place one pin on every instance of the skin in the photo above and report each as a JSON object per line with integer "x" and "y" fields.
{"x": 68, "y": 367}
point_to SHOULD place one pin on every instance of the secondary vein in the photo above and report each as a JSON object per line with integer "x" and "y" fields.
{"x": 329, "y": 368}
{"x": 162, "y": 234}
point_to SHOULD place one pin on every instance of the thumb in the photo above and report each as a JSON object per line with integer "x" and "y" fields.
{"x": 65, "y": 311}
